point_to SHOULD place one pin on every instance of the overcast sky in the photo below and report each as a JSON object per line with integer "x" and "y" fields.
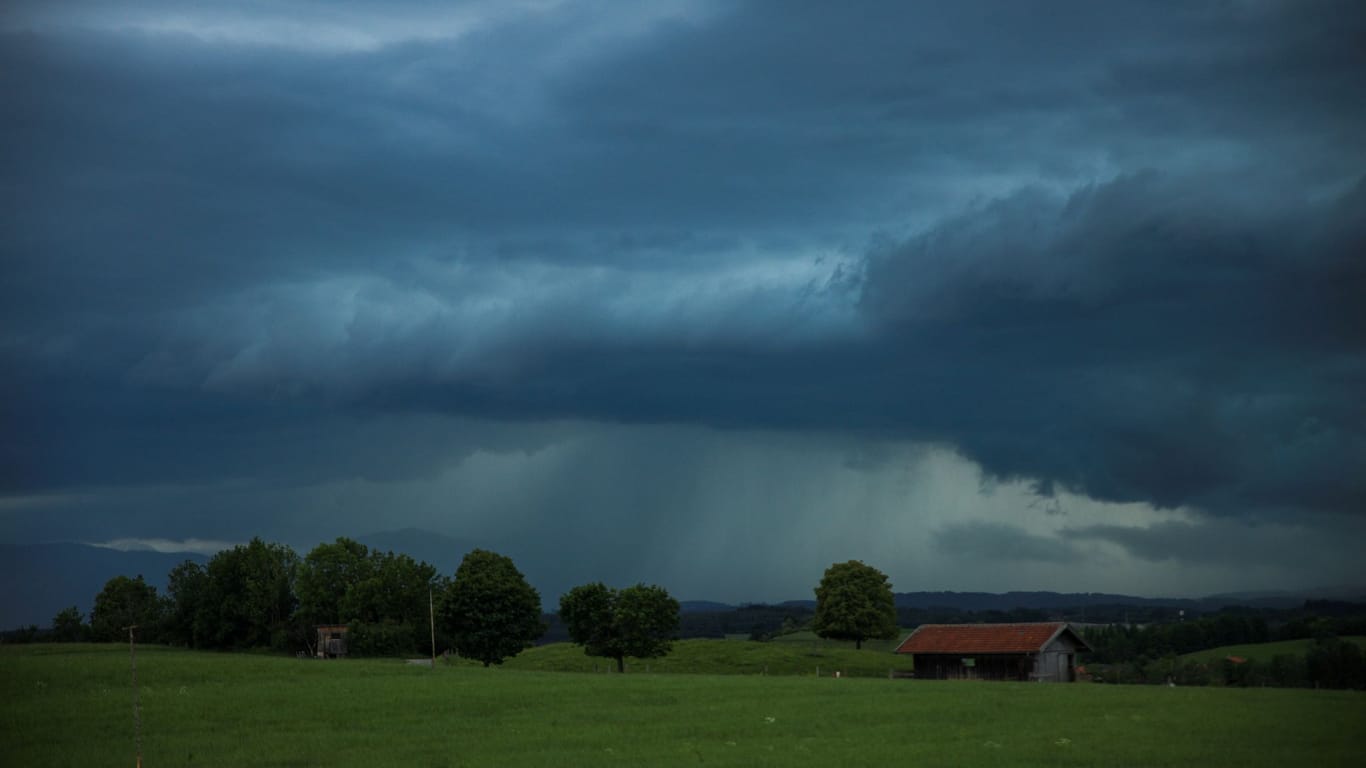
{"x": 992, "y": 296}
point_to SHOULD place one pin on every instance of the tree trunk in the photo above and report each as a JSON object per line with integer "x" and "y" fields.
{"x": 621, "y": 664}
{"x": 858, "y": 643}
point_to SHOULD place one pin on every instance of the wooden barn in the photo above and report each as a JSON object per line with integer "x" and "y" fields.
{"x": 1045, "y": 651}
{"x": 331, "y": 641}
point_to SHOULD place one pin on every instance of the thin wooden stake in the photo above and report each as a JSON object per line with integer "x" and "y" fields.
{"x": 137, "y": 704}
{"x": 431, "y": 622}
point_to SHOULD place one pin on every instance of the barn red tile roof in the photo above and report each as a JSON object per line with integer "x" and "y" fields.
{"x": 984, "y": 638}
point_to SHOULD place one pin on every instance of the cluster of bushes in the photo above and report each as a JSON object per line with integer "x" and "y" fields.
{"x": 1335, "y": 663}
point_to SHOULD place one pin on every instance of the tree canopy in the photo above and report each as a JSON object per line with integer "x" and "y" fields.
{"x": 382, "y": 596}
{"x": 639, "y": 621}
{"x": 251, "y": 595}
{"x": 854, "y": 602}
{"x": 191, "y": 621}
{"x": 326, "y": 576}
{"x": 126, "y": 602}
{"x": 68, "y": 626}
{"x": 489, "y": 610}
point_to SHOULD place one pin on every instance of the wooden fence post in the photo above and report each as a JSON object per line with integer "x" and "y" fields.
{"x": 137, "y": 705}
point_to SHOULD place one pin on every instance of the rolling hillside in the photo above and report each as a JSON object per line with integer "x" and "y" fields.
{"x": 721, "y": 657}
{"x": 1262, "y": 652}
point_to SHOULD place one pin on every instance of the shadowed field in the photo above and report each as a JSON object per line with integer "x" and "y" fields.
{"x": 725, "y": 657}
{"x": 71, "y": 705}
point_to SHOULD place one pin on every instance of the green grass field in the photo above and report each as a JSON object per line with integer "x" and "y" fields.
{"x": 70, "y": 706}
{"x": 1263, "y": 651}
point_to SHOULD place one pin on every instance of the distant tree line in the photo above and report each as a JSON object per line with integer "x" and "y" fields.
{"x": 1119, "y": 642}
{"x": 1232, "y": 626}
{"x": 1329, "y": 662}
{"x": 756, "y": 621}
{"x": 1153, "y": 653}
{"x": 263, "y": 595}
{"x": 761, "y": 621}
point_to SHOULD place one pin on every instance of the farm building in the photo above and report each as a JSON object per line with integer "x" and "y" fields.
{"x": 1044, "y": 651}
{"x": 332, "y": 641}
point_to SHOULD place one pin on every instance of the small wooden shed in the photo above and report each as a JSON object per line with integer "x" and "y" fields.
{"x": 1042, "y": 651}
{"x": 331, "y": 641}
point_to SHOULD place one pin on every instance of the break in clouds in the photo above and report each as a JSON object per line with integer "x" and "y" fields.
{"x": 705, "y": 294}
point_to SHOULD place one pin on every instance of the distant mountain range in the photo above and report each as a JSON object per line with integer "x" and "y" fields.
{"x": 38, "y": 580}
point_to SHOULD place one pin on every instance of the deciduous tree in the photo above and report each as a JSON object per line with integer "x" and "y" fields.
{"x": 639, "y": 621}
{"x": 489, "y": 611}
{"x": 189, "y": 620}
{"x": 325, "y": 577}
{"x": 68, "y": 626}
{"x": 251, "y": 592}
{"x": 382, "y": 596}
{"x": 854, "y": 602}
{"x": 127, "y": 602}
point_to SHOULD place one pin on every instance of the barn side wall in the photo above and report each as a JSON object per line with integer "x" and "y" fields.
{"x": 1058, "y": 660}
{"x": 983, "y": 666}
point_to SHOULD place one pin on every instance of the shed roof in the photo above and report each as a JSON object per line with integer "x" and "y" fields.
{"x": 986, "y": 638}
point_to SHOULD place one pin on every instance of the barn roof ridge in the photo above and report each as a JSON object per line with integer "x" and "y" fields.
{"x": 1017, "y": 637}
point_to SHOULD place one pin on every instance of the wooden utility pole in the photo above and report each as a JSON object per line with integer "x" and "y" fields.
{"x": 431, "y": 622}
{"x": 137, "y": 706}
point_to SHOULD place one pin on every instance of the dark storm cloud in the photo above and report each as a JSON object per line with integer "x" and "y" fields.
{"x": 1149, "y": 339}
{"x": 1112, "y": 248}
{"x": 1215, "y": 542}
{"x": 1156, "y": 338}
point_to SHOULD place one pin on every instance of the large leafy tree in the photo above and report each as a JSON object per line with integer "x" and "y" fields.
{"x": 326, "y": 577}
{"x": 394, "y": 590}
{"x": 190, "y": 619}
{"x": 489, "y": 610}
{"x": 251, "y": 594}
{"x": 639, "y": 621}
{"x": 126, "y": 602}
{"x": 387, "y": 610}
{"x": 381, "y": 595}
{"x": 854, "y": 602}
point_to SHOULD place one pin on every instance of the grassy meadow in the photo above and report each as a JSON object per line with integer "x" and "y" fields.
{"x": 71, "y": 706}
{"x": 811, "y": 640}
